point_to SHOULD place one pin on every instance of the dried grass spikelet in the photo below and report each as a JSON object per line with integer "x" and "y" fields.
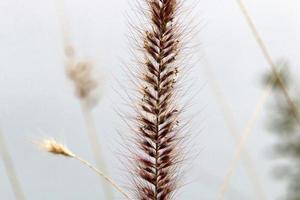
{"x": 84, "y": 77}
{"x": 157, "y": 133}
{"x": 81, "y": 74}
{"x": 56, "y": 148}
{"x": 52, "y": 146}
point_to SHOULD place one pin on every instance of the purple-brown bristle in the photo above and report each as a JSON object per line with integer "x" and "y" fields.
{"x": 157, "y": 157}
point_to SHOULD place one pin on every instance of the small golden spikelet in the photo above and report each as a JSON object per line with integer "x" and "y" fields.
{"x": 52, "y": 146}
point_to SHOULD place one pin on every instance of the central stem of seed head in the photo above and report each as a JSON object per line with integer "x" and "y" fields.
{"x": 159, "y": 117}
{"x": 162, "y": 29}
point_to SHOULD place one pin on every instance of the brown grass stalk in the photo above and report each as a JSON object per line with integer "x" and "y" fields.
{"x": 158, "y": 152}
{"x": 10, "y": 170}
{"x": 56, "y": 148}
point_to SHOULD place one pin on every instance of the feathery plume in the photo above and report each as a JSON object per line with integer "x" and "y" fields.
{"x": 158, "y": 153}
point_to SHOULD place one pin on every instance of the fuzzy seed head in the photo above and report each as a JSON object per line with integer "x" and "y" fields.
{"x": 54, "y": 147}
{"x": 81, "y": 74}
{"x": 157, "y": 134}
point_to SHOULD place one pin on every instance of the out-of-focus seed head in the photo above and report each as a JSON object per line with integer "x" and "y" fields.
{"x": 54, "y": 147}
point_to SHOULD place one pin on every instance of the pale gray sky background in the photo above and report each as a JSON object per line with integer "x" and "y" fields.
{"x": 37, "y": 100}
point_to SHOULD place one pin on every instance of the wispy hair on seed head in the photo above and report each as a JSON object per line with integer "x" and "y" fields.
{"x": 157, "y": 145}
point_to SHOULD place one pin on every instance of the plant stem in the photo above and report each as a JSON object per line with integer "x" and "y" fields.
{"x": 101, "y": 174}
{"x": 231, "y": 124}
{"x": 10, "y": 170}
{"x": 243, "y": 139}
{"x": 269, "y": 59}
{"x": 95, "y": 146}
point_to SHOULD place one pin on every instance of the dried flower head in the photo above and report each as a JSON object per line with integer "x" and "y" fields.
{"x": 52, "y": 146}
{"x": 81, "y": 73}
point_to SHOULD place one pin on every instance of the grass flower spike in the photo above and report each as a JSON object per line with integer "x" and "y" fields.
{"x": 158, "y": 134}
{"x": 52, "y": 146}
